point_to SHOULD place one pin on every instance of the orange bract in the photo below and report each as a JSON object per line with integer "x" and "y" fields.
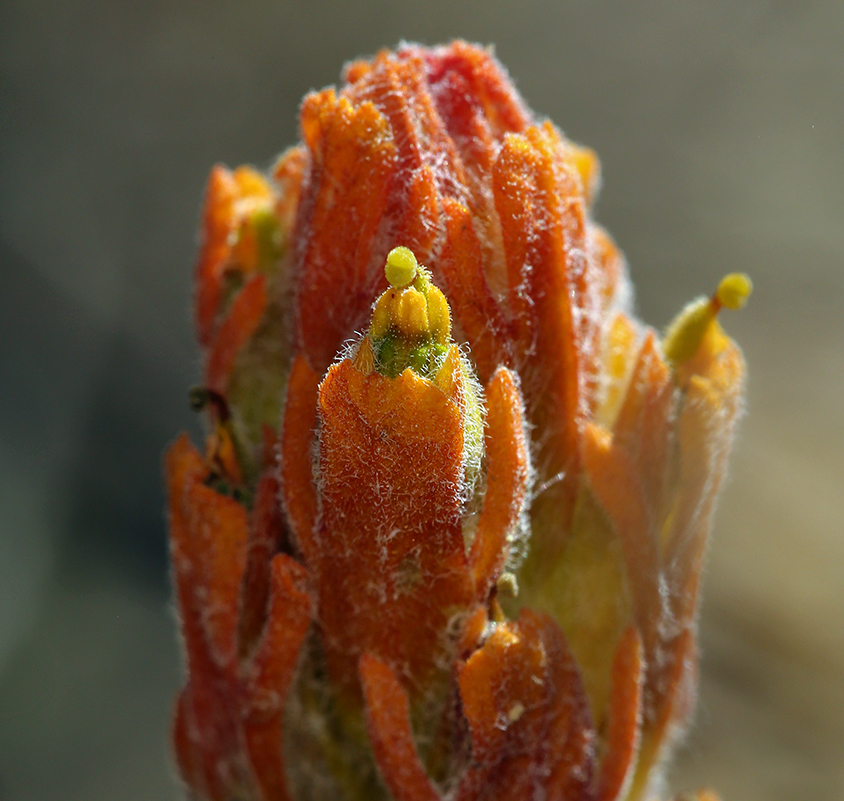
{"x": 227, "y": 243}
{"x": 528, "y": 715}
{"x": 394, "y": 446}
{"x": 230, "y": 702}
{"x": 388, "y": 722}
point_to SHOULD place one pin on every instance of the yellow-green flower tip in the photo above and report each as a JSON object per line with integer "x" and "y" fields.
{"x": 687, "y": 331}
{"x": 401, "y": 266}
{"x": 411, "y": 323}
{"x": 734, "y": 290}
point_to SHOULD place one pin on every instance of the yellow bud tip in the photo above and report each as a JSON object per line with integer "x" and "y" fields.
{"x": 401, "y": 267}
{"x": 687, "y": 331}
{"x": 734, "y": 290}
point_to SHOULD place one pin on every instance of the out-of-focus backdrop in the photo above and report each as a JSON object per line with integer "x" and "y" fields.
{"x": 721, "y": 131}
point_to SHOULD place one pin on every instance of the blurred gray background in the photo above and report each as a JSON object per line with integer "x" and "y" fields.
{"x": 720, "y": 127}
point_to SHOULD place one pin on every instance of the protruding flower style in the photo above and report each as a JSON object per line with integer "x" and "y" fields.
{"x": 456, "y": 556}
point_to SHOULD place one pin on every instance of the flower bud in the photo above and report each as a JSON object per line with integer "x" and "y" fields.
{"x": 456, "y": 555}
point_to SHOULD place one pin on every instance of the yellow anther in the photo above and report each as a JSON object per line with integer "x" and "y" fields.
{"x": 410, "y": 314}
{"x": 690, "y": 326}
{"x": 439, "y": 318}
{"x": 734, "y": 290}
{"x": 382, "y": 316}
{"x": 401, "y": 267}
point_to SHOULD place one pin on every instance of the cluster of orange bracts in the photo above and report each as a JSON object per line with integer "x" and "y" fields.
{"x": 413, "y": 569}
